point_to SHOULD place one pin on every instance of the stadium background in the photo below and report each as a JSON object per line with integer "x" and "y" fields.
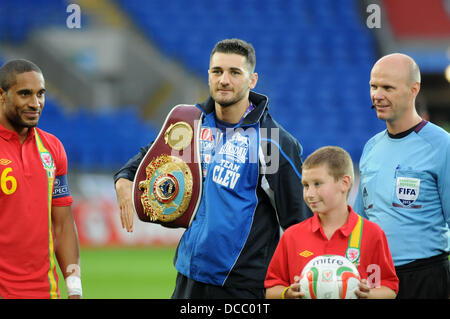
{"x": 113, "y": 74}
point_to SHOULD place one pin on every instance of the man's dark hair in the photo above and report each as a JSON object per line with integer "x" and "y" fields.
{"x": 10, "y": 69}
{"x": 237, "y": 46}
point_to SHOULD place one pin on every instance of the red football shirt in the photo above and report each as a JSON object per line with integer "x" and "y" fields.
{"x": 302, "y": 242}
{"x": 27, "y": 265}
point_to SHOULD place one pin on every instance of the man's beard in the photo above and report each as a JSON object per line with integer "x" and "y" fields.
{"x": 18, "y": 122}
{"x": 226, "y": 103}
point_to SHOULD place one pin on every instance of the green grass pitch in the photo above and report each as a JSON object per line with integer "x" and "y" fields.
{"x": 126, "y": 273}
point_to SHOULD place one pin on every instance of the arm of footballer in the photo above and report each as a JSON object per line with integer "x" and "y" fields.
{"x": 124, "y": 193}
{"x": 382, "y": 292}
{"x": 67, "y": 248}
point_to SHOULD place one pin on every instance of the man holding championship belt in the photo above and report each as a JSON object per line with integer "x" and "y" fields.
{"x": 167, "y": 185}
{"x": 248, "y": 184}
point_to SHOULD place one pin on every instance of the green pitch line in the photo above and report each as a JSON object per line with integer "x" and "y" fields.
{"x": 126, "y": 273}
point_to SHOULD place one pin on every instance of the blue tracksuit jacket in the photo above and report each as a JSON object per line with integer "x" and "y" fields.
{"x": 251, "y": 187}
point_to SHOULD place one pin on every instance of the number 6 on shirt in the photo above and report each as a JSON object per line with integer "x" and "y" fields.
{"x": 4, "y": 179}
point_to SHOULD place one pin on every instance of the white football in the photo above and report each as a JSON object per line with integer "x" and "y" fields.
{"x": 329, "y": 277}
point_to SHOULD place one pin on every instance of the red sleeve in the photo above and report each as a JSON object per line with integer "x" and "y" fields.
{"x": 59, "y": 156}
{"x": 278, "y": 271}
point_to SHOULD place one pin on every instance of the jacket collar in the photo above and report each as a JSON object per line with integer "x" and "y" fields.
{"x": 259, "y": 101}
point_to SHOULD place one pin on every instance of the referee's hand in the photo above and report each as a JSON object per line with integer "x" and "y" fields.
{"x": 124, "y": 192}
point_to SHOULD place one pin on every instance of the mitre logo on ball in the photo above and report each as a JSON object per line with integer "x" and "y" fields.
{"x": 329, "y": 277}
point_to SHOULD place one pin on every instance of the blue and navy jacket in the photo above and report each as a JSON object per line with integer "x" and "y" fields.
{"x": 251, "y": 188}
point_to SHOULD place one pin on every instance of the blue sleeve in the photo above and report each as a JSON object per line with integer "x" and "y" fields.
{"x": 358, "y": 205}
{"x": 444, "y": 183}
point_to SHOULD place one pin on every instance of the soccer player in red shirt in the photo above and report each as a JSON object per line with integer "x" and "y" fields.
{"x": 335, "y": 228}
{"x": 36, "y": 221}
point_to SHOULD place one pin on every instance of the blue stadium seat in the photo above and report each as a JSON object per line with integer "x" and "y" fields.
{"x": 313, "y": 60}
{"x": 97, "y": 140}
{"x": 19, "y": 18}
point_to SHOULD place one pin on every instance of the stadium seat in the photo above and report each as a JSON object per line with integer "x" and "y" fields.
{"x": 313, "y": 60}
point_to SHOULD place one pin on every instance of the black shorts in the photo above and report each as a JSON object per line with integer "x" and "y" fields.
{"x": 425, "y": 278}
{"x": 187, "y": 288}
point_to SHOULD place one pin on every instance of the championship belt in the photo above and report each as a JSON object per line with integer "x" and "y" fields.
{"x": 168, "y": 183}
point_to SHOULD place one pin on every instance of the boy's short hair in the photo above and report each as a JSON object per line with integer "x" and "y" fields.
{"x": 337, "y": 160}
{"x": 237, "y": 46}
